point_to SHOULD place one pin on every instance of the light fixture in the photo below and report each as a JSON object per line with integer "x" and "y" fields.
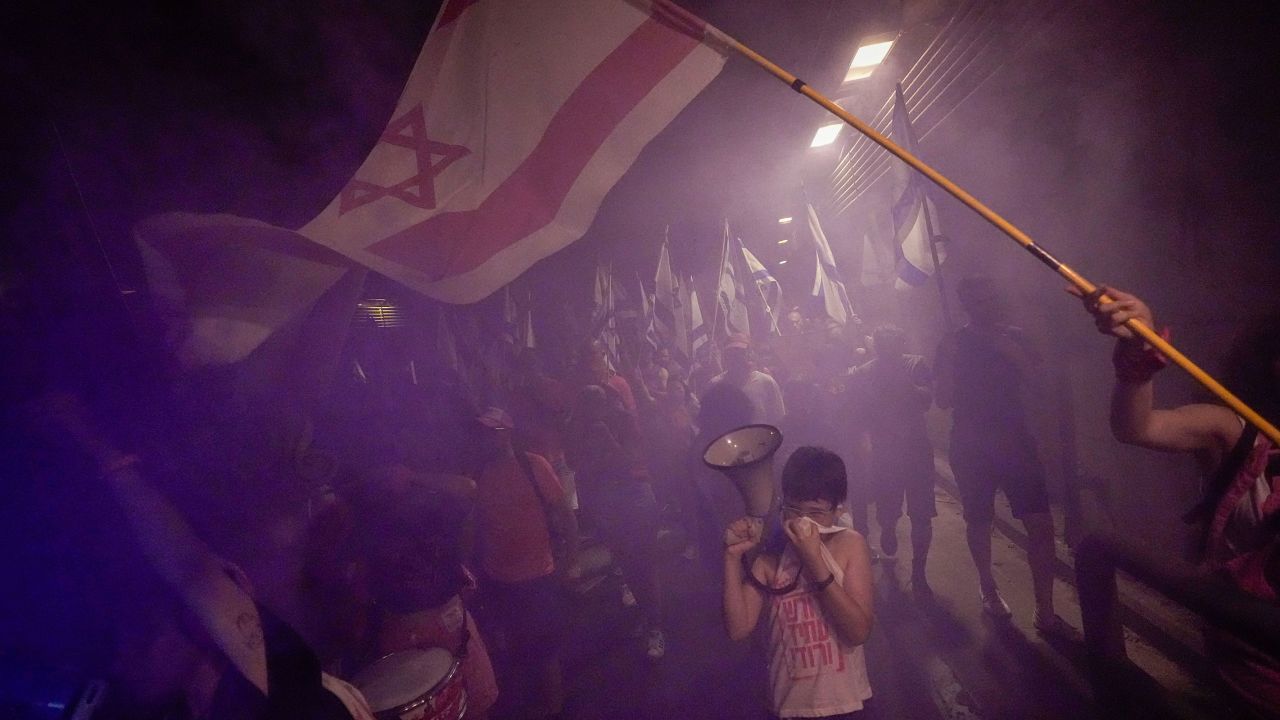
{"x": 782, "y": 262}
{"x": 379, "y": 312}
{"x": 870, "y": 54}
{"x": 784, "y": 221}
{"x": 784, "y": 241}
{"x": 826, "y": 135}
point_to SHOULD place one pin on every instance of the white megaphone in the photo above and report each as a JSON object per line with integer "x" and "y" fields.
{"x": 745, "y": 455}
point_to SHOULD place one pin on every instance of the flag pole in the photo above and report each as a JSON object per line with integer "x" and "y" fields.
{"x": 1139, "y": 328}
{"x": 715, "y": 314}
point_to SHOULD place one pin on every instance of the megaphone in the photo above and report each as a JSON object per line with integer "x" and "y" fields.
{"x": 745, "y": 455}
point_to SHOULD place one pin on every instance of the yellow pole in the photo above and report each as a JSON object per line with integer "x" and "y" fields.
{"x": 718, "y": 36}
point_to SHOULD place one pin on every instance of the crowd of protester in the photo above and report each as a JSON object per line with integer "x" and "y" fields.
{"x": 474, "y": 519}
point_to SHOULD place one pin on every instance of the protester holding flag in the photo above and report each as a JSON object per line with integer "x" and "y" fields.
{"x": 1239, "y": 534}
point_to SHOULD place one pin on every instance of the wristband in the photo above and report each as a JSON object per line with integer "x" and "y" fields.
{"x": 1138, "y": 365}
{"x": 818, "y": 587}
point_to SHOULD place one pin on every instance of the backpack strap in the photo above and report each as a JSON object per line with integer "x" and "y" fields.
{"x": 526, "y": 467}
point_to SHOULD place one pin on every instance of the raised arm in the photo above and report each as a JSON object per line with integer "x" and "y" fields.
{"x": 1135, "y": 420}
{"x": 742, "y": 600}
{"x": 848, "y": 604}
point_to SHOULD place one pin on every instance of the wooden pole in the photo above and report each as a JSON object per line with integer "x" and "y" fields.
{"x": 717, "y": 36}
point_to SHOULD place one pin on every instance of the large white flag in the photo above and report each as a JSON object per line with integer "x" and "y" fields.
{"x": 828, "y": 286}
{"x": 912, "y": 210}
{"x": 517, "y": 119}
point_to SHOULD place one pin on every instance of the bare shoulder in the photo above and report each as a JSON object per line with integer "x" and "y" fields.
{"x": 846, "y": 545}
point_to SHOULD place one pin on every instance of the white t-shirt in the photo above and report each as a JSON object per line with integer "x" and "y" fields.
{"x": 765, "y": 395}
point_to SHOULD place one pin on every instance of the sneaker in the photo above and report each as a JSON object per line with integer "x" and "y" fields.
{"x": 628, "y": 599}
{"x": 995, "y": 606}
{"x": 889, "y": 542}
{"x": 1051, "y": 625}
{"x": 655, "y": 644}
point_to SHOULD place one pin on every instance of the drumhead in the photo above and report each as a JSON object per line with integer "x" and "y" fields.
{"x": 402, "y": 677}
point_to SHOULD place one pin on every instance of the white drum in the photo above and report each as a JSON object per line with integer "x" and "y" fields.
{"x": 414, "y": 685}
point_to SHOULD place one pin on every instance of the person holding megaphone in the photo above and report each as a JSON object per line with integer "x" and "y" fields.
{"x": 813, "y": 579}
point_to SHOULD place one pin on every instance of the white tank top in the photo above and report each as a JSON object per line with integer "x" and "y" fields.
{"x": 812, "y": 673}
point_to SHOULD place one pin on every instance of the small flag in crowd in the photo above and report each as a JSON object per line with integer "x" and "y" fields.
{"x": 912, "y": 211}
{"x": 828, "y": 287}
{"x": 510, "y": 318}
{"x": 698, "y": 334}
{"x": 768, "y": 292}
{"x": 731, "y": 296}
{"x": 604, "y": 321}
{"x": 648, "y": 331}
{"x": 528, "y": 340}
{"x": 668, "y": 304}
{"x": 447, "y": 344}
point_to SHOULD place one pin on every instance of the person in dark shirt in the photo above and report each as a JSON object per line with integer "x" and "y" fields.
{"x": 888, "y": 397}
{"x": 984, "y": 369}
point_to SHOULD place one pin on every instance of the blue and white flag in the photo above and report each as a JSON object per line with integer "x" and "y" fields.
{"x": 698, "y": 333}
{"x": 828, "y": 286}
{"x": 731, "y": 296}
{"x": 912, "y": 211}
{"x": 768, "y": 290}
{"x": 604, "y": 321}
{"x": 648, "y": 332}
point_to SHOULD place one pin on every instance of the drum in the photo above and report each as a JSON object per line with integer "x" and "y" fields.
{"x": 414, "y": 685}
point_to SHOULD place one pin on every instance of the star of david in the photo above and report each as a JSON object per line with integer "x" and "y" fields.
{"x": 407, "y": 131}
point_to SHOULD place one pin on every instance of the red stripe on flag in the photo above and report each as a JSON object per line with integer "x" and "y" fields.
{"x": 456, "y": 242}
{"x": 451, "y": 10}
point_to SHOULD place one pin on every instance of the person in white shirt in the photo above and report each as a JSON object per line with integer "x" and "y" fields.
{"x": 761, "y": 388}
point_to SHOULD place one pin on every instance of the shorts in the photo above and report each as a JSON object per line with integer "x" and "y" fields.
{"x": 989, "y": 459}
{"x": 908, "y": 473}
{"x": 534, "y": 614}
{"x": 625, "y": 517}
